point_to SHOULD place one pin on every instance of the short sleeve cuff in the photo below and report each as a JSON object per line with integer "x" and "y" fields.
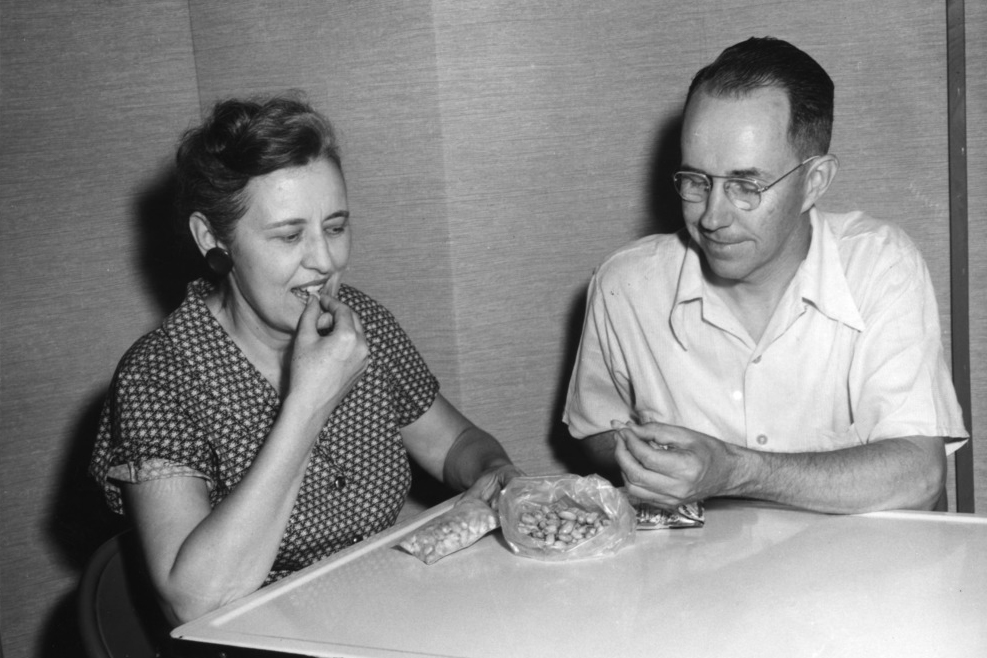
{"x": 153, "y": 469}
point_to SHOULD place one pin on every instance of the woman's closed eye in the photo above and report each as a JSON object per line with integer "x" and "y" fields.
{"x": 336, "y": 227}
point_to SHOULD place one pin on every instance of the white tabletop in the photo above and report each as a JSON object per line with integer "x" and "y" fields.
{"x": 757, "y": 580}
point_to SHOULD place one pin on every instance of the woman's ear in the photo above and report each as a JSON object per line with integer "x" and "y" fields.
{"x": 202, "y": 233}
{"x": 822, "y": 172}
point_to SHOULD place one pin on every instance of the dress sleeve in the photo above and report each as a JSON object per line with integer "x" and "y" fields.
{"x": 599, "y": 389}
{"x": 146, "y": 430}
{"x": 414, "y": 387}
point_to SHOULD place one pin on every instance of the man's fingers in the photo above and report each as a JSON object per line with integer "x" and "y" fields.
{"x": 641, "y": 481}
{"x": 653, "y": 456}
{"x": 661, "y": 500}
{"x": 654, "y": 432}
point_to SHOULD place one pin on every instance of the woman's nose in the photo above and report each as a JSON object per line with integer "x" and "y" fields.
{"x": 318, "y": 256}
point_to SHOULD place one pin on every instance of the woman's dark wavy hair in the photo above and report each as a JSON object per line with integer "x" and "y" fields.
{"x": 768, "y": 62}
{"x": 240, "y": 140}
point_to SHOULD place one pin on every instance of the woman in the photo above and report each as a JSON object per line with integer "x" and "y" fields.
{"x": 268, "y": 422}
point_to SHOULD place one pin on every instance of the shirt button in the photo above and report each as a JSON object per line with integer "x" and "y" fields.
{"x": 761, "y": 439}
{"x": 339, "y": 483}
{"x": 738, "y": 396}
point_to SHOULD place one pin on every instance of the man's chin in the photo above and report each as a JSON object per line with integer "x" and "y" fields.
{"x": 727, "y": 271}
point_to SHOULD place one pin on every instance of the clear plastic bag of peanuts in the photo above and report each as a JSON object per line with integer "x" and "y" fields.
{"x": 455, "y": 529}
{"x": 565, "y": 517}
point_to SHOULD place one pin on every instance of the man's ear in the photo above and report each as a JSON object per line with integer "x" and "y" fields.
{"x": 202, "y": 233}
{"x": 822, "y": 172}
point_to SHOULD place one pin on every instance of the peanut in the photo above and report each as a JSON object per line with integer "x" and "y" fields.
{"x": 560, "y": 526}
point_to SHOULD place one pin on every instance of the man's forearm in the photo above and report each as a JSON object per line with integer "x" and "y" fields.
{"x": 904, "y": 473}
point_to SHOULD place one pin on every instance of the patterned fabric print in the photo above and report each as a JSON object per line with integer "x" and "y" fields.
{"x": 185, "y": 396}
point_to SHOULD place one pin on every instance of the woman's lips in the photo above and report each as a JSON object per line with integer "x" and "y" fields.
{"x": 304, "y": 292}
{"x": 317, "y": 287}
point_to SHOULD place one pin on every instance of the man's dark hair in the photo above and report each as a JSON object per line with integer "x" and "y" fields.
{"x": 764, "y": 62}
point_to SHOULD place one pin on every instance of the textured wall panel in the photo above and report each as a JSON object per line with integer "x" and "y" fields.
{"x": 93, "y": 94}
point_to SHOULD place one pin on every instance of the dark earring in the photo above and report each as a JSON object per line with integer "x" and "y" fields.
{"x": 219, "y": 261}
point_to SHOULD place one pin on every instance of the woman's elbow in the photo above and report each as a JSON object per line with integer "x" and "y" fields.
{"x": 182, "y": 609}
{"x": 184, "y": 604}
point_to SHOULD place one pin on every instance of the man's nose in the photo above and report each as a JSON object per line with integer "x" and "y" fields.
{"x": 719, "y": 209}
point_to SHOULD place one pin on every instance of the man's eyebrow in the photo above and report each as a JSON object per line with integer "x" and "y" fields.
{"x": 752, "y": 172}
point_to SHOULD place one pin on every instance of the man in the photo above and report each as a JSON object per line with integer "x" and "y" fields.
{"x": 769, "y": 350}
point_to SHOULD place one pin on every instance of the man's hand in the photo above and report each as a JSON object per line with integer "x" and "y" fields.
{"x": 672, "y": 465}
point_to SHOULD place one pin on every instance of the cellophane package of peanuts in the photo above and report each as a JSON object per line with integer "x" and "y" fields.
{"x": 565, "y": 517}
{"x": 453, "y": 530}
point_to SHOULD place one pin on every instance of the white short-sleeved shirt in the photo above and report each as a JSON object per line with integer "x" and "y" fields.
{"x": 852, "y": 354}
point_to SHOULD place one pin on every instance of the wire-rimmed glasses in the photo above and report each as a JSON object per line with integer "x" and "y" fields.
{"x": 744, "y": 193}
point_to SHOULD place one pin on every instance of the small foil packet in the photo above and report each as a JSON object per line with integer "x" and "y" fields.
{"x": 652, "y": 517}
{"x": 458, "y": 528}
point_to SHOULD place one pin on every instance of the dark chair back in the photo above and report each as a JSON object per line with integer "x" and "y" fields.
{"x": 118, "y": 617}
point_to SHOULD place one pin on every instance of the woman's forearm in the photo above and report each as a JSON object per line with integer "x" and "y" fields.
{"x": 473, "y": 453}
{"x": 227, "y": 551}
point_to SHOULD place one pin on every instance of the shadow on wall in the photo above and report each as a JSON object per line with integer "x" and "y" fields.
{"x": 79, "y": 520}
{"x": 664, "y": 204}
{"x": 664, "y": 215}
{"x": 169, "y": 257}
{"x": 168, "y": 262}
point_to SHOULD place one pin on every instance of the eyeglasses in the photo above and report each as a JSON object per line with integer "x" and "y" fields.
{"x": 744, "y": 193}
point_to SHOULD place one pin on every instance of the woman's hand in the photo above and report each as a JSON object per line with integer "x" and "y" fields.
{"x": 491, "y": 482}
{"x": 329, "y": 354}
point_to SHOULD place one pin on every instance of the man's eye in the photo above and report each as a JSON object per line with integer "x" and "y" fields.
{"x": 745, "y": 186}
{"x": 291, "y": 237}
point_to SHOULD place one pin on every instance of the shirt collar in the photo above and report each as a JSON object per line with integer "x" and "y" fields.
{"x": 238, "y": 388}
{"x": 821, "y": 281}
{"x": 690, "y": 288}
